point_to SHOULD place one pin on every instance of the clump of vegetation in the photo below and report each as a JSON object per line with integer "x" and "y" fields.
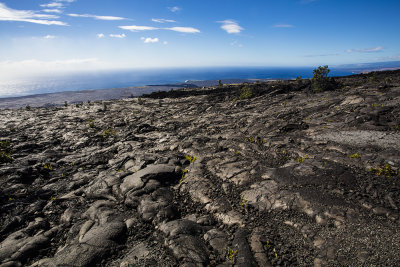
{"x": 5, "y": 152}
{"x": 48, "y": 166}
{"x": 108, "y": 132}
{"x": 220, "y": 84}
{"x": 91, "y": 123}
{"x": 385, "y": 170}
{"x": 301, "y": 159}
{"x": 190, "y": 158}
{"x": 245, "y": 92}
{"x": 232, "y": 254}
{"x": 243, "y": 202}
{"x": 355, "y": 156}
{"x": 28, "y": 107}
{"x": 65, "y": 104}
{"x": 320, "y": 80}
{"x": 184, "y": 173}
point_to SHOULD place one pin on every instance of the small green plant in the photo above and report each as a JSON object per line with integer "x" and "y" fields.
{"x": 48, "y": 166}
{"x": 377, "y": 105}
{"x": 28, "y": 107}
{"x": 232, "y": 254}
{"x": 65, "y": 104}
{"x": 245, "y": 92}
{"x": 109, "y": 132}
{"x": 5, "y": 152}
{"x": 355, "y": 156}
{"x": 385, "y": 170}
{"x": 53, "y": 198}
{"x": 184, "y": 173}
{"x": 159, "y": 103}
{"x": 250, "y": 139}
{"x": 243, "y": 202}
{"x": 191, "y": 159}
{"x": 237, "y": 152}
{"x": 91, "y": 123}
{"x": 220, "y": 84}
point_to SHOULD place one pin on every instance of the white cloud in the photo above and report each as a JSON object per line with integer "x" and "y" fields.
{"x": 231, "y": 26}
{"x": 96, "y": 17}
{"x": 283, "y": 26}
{"x": 175, "y": 9}
{"x": 9, "y": 14}
{"x": 163, "y": 20}
{"x": 100, "y": 35}
{"x": 365, "y": 50}
{"x": 165, "y": 42}
{"x": 52, "y": 11}
{"x": 121, "y": 36}
{"x": 183, "y": 29}
{"x": 53, "y": 4}
{"x": 49, "y": 37}
{"x": 149, "y": 40}
{"x": 135, "y": 28}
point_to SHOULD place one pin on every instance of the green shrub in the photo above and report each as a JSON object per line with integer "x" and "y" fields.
{"x": 5, "y": 152}
{"x": 245, "y": 92}
{"x": 320, "y": 79}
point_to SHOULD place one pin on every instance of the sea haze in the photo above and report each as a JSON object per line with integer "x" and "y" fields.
{"x": 129, "y": 78}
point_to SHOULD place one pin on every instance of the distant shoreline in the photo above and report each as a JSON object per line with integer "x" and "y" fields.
{"x": 80, "y": 96}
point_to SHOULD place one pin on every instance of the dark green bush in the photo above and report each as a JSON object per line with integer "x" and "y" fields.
{"x": 5, "y": 152}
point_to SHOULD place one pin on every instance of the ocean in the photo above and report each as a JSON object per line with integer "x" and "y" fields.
{"x": 129, "y": 78}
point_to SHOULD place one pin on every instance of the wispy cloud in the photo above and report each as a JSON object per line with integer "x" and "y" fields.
{"x": 149, "y": 40}
{"x": 52, "y": 11}
{"x": 96, "y": 17}
{"x": 49, "y": 37}
{"x": 174, "y": 9}
{"x": 365, "y": 50}
{"x": 9, "y": 14}
{"x": 163, "y": 20}
{"x": 183, "y": 29}
{"x": 236, "y": 43}
{"x": 53, "y": 4}
{"x": 121, "y": 36}
{"x": 283, "y": 26}
{"x": 230, "y": 26}
{"x": 100, "y": 35}
{"x": 165, "y": 43}
{"x": 136, "y": 28}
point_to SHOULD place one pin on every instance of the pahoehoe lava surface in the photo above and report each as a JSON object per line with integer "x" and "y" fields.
{"x": 200, "y": 177}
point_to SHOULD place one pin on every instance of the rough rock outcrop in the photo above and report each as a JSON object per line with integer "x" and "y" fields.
{"x": 200, "y": 177}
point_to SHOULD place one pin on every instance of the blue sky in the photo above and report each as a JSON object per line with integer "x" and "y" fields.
{"x": 76, "y": 35}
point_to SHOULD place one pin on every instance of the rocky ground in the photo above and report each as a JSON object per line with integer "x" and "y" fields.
{"x": 201, "y": 177}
